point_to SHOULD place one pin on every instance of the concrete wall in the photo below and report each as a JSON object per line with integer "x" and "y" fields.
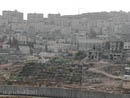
{"x": 56, "y": 92}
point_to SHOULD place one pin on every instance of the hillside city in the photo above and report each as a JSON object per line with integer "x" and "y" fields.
{"x": 88, "y": 51}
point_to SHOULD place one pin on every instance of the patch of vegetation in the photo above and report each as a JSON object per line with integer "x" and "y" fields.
{"x": 11, "y": 77}
{"x": 80, "y": 55}
{"x": 9, "y": 83}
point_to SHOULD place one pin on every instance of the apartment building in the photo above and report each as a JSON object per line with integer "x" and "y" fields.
{"x": 13, "y": 16}
{"x": 35, "y": 17}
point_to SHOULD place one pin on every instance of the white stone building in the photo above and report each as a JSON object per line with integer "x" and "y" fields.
{"x": 13, "y": 16}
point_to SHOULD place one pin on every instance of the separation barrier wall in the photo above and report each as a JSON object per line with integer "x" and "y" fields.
{"x": 56, "y": 92}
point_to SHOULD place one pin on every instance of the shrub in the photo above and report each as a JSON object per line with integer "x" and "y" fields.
{"x": 80, "y": 55}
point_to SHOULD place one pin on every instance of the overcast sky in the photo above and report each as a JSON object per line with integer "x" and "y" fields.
{"x": 65, "y": 7}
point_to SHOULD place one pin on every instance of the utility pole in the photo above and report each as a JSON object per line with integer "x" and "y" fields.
{"x": 81, "y": 73}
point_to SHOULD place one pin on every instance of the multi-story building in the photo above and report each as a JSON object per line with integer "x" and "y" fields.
{"x": 114, "y": 50}
{"x": 127, "y": 45}
{"x": 53, "y": 16}
{"x": 93, "y": 55}
{"x": 35, "y": 17}
{"x": 115, "y": 45}
{"x": 54, "y": 19}
{"x": 116, "y": 56}
{"x": 3, "y": 24}
{"x": 13, "y": 16}
{"x": 3, "y": 20}
{"x": 89, "y": 44}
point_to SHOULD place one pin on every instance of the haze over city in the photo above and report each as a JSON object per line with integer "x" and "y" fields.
{"x": 65, "y": 7}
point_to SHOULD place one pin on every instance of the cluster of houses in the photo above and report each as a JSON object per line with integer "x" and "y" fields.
{"x": 18, "y": 47}
{"x": 57, "y": 34}
{"x": 115, "y": 50}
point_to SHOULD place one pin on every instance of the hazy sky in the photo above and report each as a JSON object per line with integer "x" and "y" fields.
{"x": 64, "y": 6}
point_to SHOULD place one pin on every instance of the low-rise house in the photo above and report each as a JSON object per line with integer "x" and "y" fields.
{"x": 32, "y": 58}
{"x": 102, "y": 37}
{"x": 4, "y": 53}
{"x": 66, "y": 47}
{"x": 24, "y": 49}
{"x": 46, "y": 56}
{"x": 5, "y": 46}
{"x": 22, "y": 39}
{"x": 14, "y": 58}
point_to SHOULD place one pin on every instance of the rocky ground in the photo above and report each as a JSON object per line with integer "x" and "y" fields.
{"x": 66, "y": 73}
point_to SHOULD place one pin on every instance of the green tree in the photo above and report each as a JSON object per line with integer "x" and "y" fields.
{"x": 80, "y": 55}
